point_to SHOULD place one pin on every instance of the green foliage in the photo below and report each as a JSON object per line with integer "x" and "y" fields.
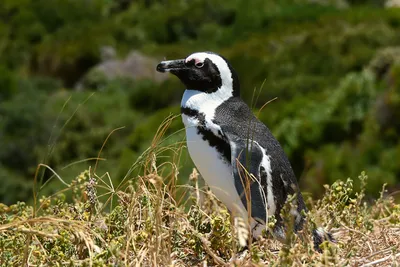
{"x": 8, "y": 83}
{"x": 333, "y": 69}
{"x": 174, "y": 22}
{"x": 52, "y": 37}
{"x": 69, "y": 128}
{"x": 23, "y": 126}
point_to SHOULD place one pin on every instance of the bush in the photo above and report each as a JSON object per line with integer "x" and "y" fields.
{"x": 149, "y": 216}
{"x": 334, "y": 99}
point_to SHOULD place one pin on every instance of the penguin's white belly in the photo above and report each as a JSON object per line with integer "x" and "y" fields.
{"x": 216, "y": 172}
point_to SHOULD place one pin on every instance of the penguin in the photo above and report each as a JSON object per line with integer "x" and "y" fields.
{"x": 236, "y": 154}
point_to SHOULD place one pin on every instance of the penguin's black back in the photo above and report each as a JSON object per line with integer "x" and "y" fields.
{"x": 236, "y": 119}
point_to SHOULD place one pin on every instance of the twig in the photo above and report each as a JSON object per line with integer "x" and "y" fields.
{"x": 380, "y": 260}
{"x": 263, "y": 106}
{"x": 102, "y": 147}
{"x": 384, "y": 251}
{"x": 358, "y": 232}
{"x": 26, "y": 250}
{"x": 215, "y": 257}
{"x": 36, "y": 232}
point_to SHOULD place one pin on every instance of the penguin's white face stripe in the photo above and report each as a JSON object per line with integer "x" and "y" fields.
{"x": 203, "y": 102}
{"x": 225, "y": 72}
{"x": 196, "y": 59}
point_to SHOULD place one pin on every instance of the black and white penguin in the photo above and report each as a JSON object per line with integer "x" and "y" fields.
{"x": 232, "y": 149}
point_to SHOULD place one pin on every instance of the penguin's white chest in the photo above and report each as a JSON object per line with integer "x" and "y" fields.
{"x": 213, "y": 168}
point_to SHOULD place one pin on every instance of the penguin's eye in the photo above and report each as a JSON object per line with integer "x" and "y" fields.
{"x": 199, "y": 65}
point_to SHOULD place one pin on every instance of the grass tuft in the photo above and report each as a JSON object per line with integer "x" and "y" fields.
{"x": 148, "y": 220}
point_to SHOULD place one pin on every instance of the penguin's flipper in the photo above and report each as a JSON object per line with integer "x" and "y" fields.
{"x": 246, "y": 159}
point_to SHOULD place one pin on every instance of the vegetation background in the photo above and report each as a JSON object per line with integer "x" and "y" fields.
{"x": 80, "y": 95}
{"x": 72, "y": 71}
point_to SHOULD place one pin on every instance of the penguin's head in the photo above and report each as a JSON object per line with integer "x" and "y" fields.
{"x": 203, "y": 71}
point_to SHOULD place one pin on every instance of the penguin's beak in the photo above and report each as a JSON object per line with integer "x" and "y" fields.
{"x": 171, "y": 65}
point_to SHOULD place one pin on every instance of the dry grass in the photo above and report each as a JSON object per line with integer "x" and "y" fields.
{"x": 145, "y": 221}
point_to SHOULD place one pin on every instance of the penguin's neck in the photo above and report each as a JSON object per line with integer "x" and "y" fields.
{"x": 205, "y": 103}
